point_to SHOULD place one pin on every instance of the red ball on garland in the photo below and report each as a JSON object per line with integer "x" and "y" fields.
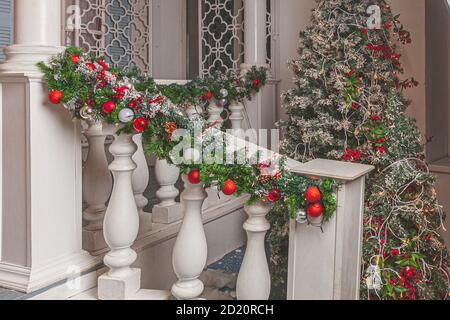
{"x": 313, "y": 194}
{"x": 55, "y": 96}
{"x": 229, "y": 187}
{"x": 108, "y": 107}
{"x": 140, "y": 124}
{"x": 274, "y": 195}
{"x": 208, "y": 95}
{"x": 255, "y": 83}
{"x": 75, "y": 59}
{"x": 91, "y": 66}
{"x": 194, "y": 176}
{"x": 315, "y": 210}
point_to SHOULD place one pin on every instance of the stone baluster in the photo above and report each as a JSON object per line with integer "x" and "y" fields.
{"x": 97, "y": 183}
{"x": 190, "y": 250}
{"x": 121, "y": 226}
{"x": 168, "y": 210}
{"x": 236, "y": 118}
{"x": 253, "y": 281}
{"x": 140, "y": 181}
{"x": 215, "y": 113}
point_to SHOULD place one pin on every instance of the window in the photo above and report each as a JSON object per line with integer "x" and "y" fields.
{"x": 6, "y": 25}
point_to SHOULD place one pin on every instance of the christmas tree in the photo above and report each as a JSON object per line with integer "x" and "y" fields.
{"x": 348, "y": 104}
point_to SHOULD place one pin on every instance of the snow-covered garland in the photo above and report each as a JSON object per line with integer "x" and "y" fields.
{"x": 93, "y": 91}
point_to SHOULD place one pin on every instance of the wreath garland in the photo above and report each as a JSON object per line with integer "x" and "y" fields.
{"x": 90, "y": 89}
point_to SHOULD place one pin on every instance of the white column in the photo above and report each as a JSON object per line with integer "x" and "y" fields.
{"x": 253, "y": 281}
{"x": 190, "y": 250}
{"x": 168, "y": 210}
{"x": 215, "y": 110}
{"x": 37, "y": 34}
{"x": 329, "y": 261}
{"x": 41, "y": 211}
{"x": 140, "y": 181}
{"x": 97, "y": 181}
{"x": 121, "y": 226}
{"x": 255, "y": 17}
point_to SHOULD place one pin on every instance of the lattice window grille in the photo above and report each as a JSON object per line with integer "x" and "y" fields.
{"x": 118, "y": 29}
{"x": 222, "y": 35}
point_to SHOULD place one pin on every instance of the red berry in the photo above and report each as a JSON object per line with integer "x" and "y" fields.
{"x": 108, "y": 107}
{"x": 75, "y": 59}
{"x": 274, "y": 195}
{"x": 55, "y": 96}
{"x": 255, "y": 83}
{"x": 312, "y": 194}
{"x": 229, "y": 187}
{"x": 140, "y": 124}
{"x": 91, "y": 66}
{"x": 194, "y": 176}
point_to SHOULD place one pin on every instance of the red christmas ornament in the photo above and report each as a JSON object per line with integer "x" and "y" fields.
{"x": 274, "y": 195}
{"x": 91, "y": 66}
{"x": 75, "y": 59}
{"x": 229, "y": 187}
{"x": 140, "y": 124}
{"x": 255, "y": 83}
{"x": 315, "y": 210}
{"x": 363, "y": 31}
{"x": 55, "y": 96}
{"x": 313, "y": 194}
{"x": 208, "y": 95}
{"x": 194, "y": 176}
{"x": 108, "y": 107}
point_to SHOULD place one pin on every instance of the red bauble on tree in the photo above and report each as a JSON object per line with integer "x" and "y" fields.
{"x": 255, "y": 83}
{"x": 229, "y": 187}
{"x": 75, "y": 59}
{"x": 313, "y": 194}
{"x": 140, "y": 124}
{"x": 194, "y": 176}
{"x": 274, "y": 195}
{"x": 315, "y": 210}
{"x": 108, "y": 107}
{"x": 208, "y": 95}
{"x": 55, "y": 96}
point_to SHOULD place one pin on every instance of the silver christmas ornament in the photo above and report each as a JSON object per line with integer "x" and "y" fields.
{"x": 224, "y": 93}
{"x": 126, "y": 115}
{"x": 223, "y": 102}
{"x": 301, "y": 217}
{"x": 86, "y": 112}
{"x": 243, "y": 81}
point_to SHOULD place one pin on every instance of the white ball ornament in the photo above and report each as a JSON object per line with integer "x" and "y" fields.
{"x": 224, "y": 93}
{"x": 126, "y": 115}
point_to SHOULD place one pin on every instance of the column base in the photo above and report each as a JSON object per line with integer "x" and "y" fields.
{"x": 145, "y": 223}
{"x": 94, "y": 241}
{"x": 167, "y": 215}
{"x": 187, "y": 289}
{"x": 111, "y": 288}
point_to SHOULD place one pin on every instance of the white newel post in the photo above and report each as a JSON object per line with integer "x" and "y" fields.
{"x": 190, "y": 250}
{"x": 253, "y": 281}
{"x": 327, "y": 265}
{"x": 121, "y": 226}
{"x": 236, "y": 118}
{"x": 97, "y": 182}
{"x": 140, "y": 181}
{"x": 41, "y": 212}
{"x": 168, "y": 210}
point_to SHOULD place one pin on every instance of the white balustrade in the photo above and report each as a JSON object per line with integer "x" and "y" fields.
{"x": 97, "y": 186}
{"x": 140, "y": 181}
{"x": 190, "y": 250}
{"x": 253, "y": 281}
{"x": 121, "y": 225}
{"x": 168, "y": 210}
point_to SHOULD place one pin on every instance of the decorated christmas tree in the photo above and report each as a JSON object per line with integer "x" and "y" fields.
{"x": 348, "y": 104}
